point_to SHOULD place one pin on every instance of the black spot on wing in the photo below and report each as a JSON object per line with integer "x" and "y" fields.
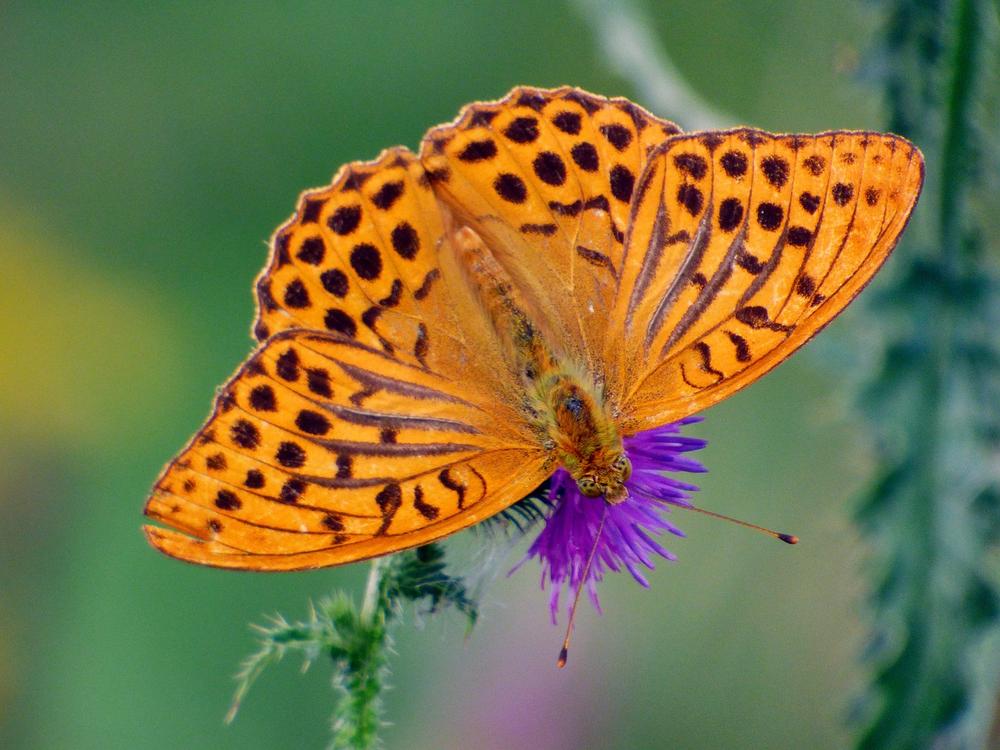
{"x": 344, "y": 220}
{"x": 568, "y": 122}
{"x": 311, "y": 210}
{"x": 799, "y": 236}
{"x": 842, "y": 193}
{"x": 809, "y": 202}
{"x": 339, "y": 321}
{"x": 296, "y": 296}
{"x": 262, "y": 398}
{"x": 775, "y": 170}
{"x": 734, "y": 163}
{"x": 227, "y": 500}
{"x": 366, "y": 261}
{"x": 730, "y": 214}
{"x": 388, "y": 194}
{"x": 769, "y": 216}
{"x": 334, "y": 281}
{"x": 549, "y": 168}
{"x": 693, "y": 165}
{"x": 618, "y": 135}
{"x": 254, "y": 480}
{"x": 522, "y": 130}
{"x": 478, "y": 151}
{"x": 245, "y": 434}
{"x": 622, "y": 182}
{"x": 288, "y": 365}
{"x": 312, "y": 251}
{"x": 291, "y": 490}
{"x": 312, "y": 422}
{"x": 691, "y": 198}
{"x": 405, "y": 240}
{"x": 814, "y": 164}
{"x": 216, "y": 462}
{"x": 290, "y": 455}
{"x": 510, "y": 187}
{"x": 585, "y": 156}
{"x": 318, "y": 381}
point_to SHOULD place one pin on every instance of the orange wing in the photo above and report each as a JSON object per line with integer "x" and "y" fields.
{"x": 546, "y": 178}
{"x": 379, "y": 413}
{"x": 363, "y": 258}
{"x": 743, "y": 245}
{"x": 322, "y": 450}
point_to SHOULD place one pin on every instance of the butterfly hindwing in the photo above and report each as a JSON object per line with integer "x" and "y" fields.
{"x": 756, "y": 242}
{"x": 323, "y": 450}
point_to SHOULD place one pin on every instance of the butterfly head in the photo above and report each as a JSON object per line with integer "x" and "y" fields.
{"x": 607, "y": 481}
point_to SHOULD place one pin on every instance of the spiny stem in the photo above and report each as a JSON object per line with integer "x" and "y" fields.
{"x": 357, "y": 639}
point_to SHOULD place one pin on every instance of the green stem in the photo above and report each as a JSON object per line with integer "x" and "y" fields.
{"x": 366, "y": 663}
{"x": 932, "y": 628}
{"x": 955, "y": 161}
{"x": 374, "y": 590}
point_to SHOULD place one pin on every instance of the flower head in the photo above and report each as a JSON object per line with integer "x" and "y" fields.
{"x": 630, "y": 527}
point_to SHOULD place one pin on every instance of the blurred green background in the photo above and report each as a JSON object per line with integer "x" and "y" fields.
{"x": 146, "y": 154}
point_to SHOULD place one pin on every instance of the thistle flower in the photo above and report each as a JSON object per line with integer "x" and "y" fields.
{"x": 628, "y": 538}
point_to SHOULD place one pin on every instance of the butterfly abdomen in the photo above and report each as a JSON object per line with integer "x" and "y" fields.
{"x": 569, "y": 415}
{"x": 521, "y": 338}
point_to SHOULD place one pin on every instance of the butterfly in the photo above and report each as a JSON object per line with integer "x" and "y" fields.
{"x": 554, "y": 271}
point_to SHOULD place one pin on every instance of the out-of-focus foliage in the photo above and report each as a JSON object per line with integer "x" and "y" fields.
{"x": 933, "y": 513}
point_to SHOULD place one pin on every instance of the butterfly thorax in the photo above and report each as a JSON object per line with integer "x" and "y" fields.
{"x": 567, "y": 410}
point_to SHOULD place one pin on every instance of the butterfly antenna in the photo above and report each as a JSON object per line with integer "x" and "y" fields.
{"x": 786, "y": 538}
{"x": 564, "y": 651}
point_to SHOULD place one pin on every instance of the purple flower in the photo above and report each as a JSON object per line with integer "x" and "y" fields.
{"x": 628, "y": 539}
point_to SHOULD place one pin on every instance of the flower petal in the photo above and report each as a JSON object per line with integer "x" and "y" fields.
{"x": 628, "y": 538}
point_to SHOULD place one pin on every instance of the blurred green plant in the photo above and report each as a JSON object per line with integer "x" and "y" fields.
{"x": 358, "y": 639}
{"x": 932, "y": 515}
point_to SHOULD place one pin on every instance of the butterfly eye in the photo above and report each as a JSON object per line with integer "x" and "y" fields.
{"x": 623, "y": 466}
{"x": 588, "y": 486}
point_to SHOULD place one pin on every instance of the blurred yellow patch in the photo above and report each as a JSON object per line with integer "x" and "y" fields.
{"x": 79, "y": 343}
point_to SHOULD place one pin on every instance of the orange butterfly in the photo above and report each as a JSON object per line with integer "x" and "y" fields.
{"x": 554, "y": 272}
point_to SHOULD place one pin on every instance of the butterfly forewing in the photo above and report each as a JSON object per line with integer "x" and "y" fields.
{"x": 361, "y": 258}
{"x": 790, "y": 228}
{"x": 546, "y": 178}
